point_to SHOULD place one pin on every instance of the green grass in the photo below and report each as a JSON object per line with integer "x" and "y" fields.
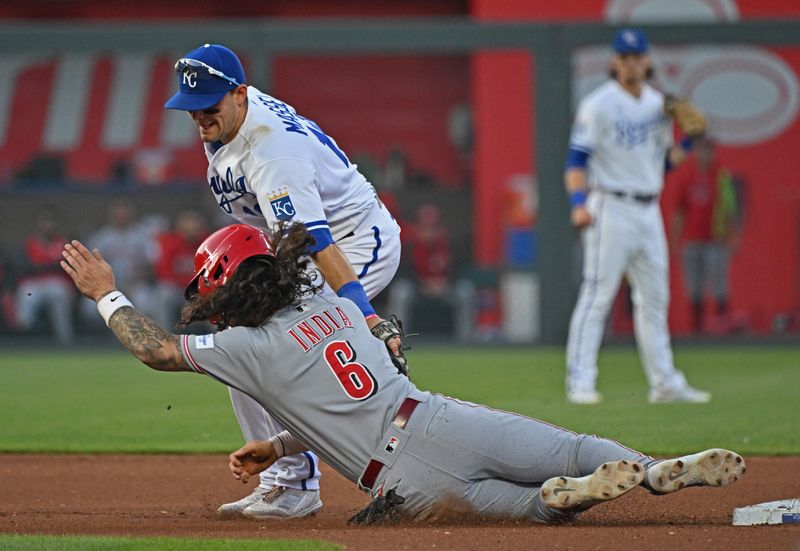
{"x": 108, "y": 402}
{"x": 86, "y": 543}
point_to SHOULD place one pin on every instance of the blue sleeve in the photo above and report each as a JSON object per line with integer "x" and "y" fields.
{"x": 577, "y": 158}
{"x": 355, "y": 292}
{"x": 322, "y": 238}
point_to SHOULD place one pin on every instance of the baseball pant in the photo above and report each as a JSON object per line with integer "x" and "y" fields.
{"x": 626, "y": 237}
{"x": 456, "y": 456}
{"x": 374, "y": 252}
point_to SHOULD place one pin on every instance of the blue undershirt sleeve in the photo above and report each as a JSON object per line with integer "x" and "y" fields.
{"x": 577, "y": 158}
{"x": 322, "y": 238}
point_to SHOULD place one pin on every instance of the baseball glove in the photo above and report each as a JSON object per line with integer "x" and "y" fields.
{"x": 386, "y": 331}
{"x": 381, "y": 510}
{"x": 688, "y": 117}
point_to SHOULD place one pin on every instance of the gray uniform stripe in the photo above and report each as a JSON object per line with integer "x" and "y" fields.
{"x": 126, "y": 110}
{"x": 66, "y": 115}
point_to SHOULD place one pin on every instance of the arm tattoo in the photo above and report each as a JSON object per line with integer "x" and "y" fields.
{"x": 146, "y": 340}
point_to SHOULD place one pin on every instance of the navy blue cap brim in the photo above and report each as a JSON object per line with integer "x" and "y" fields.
{"x": 194, "y": 102}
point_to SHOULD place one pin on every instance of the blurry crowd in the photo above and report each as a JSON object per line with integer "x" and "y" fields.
{"x": 152, "y": 260}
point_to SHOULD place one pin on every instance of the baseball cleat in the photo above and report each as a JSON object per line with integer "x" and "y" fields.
{"x": 714, "y": 467}
{"x": 284, "y": 503}
{"x": 237, "y": 507}
{"x": 685, "y": 394}
{"x": 610, "y": 480}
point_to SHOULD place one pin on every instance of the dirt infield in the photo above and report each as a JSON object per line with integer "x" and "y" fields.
{"x": 165, "y": 495}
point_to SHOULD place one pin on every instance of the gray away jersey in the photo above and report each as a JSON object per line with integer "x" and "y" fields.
{"x": 318, "y": 370}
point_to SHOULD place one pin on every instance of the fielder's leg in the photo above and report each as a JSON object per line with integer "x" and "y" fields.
{"x": 290, "y": 487}
{"x": 605, "y": 257}
{"x": 649, "y": 274}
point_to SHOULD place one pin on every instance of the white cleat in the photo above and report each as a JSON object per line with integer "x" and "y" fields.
{"x": 610, "y": 480}
{"x": 587, "y": 397}
{"x": 685, "y": 394}
{"x": 237, "y": 507}
{"x": 714, "y": 467}
{"x": 284, "y": 503}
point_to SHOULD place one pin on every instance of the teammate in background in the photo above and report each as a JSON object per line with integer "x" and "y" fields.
{"x": 312, "y": 362}
{"x": 42, "y": 286}
{"x": 131, "y": 250}
{"x": 268, "y": 164}
{"x": 708, "y": 221}
{"x": 174, "y": 263}
{"x": 620, "y": 144}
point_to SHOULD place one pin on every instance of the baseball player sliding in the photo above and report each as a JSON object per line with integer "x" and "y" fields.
{"x": 621, "y": 144}
{"x": 311, "y": 361}
{"x": 268, "y": 164}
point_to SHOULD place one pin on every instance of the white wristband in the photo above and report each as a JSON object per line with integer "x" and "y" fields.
{"x": 110, "y": 303}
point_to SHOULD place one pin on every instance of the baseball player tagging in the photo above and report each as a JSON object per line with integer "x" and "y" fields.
{"x": 266, "y": 165}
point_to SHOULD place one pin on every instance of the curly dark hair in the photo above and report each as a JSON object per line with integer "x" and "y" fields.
{"x": 261, "y": 285}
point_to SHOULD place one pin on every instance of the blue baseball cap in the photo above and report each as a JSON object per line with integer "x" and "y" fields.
{"x": 205, "y": 75}
{"x": 630, "y": 41}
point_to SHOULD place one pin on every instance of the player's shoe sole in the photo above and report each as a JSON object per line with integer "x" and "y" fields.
{"x": 714, "y": 467}
{"x": 609, "y": 481}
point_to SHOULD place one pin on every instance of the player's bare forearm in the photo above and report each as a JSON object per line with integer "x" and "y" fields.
{"x": 575, "y": 181}
{"x": 146, "y": 340}
{"x": 334, "y": 266}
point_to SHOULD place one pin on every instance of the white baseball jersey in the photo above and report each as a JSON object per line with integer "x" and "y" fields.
{"x": 282, "y": 166}
{"x": 626, "y": 137}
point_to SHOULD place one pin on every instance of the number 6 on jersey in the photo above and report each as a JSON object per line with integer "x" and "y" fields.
{"x": 356, "y": 380}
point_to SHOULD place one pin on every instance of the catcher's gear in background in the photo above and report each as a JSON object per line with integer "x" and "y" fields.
{"x": 688, "y": 117}
{"x": 387, "y": 330}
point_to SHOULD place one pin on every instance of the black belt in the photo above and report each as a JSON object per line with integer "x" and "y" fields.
{"x": 639, "y": 197}
{"x": 374, "y": 466}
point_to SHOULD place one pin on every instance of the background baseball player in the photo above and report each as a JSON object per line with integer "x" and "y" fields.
{"x": 268, "y": 164}
{"x": 312, "y": 361}
{"x": 621, "y": 144}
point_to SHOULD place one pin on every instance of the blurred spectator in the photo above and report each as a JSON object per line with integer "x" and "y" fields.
{"x": 129, "y": 247}
{"x": 174, "y": 264}
{"x": 43, "y": 287}
{"x": 395, "y": 171}
{"x": 427, "y": 244}
{"x": 707, "y": 223}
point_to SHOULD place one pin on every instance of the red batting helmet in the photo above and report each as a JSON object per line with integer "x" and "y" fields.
{"x": 218, "y": 257}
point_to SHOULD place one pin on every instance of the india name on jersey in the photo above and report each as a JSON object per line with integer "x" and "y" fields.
{"x": 283, "y": 167}
{"x": 318, "y": 370}
{"x": 626, "y": 137}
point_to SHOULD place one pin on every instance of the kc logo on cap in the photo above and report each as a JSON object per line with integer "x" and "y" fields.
{"x": 190, "y": 77}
